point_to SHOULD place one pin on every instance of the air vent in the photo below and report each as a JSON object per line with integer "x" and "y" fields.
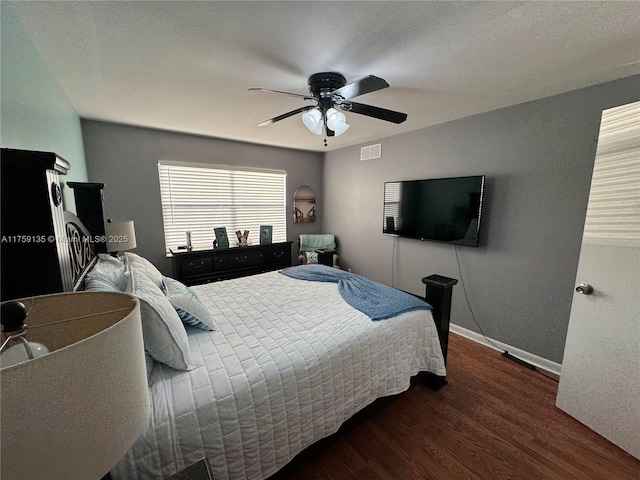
{"x": 371, "y": 151}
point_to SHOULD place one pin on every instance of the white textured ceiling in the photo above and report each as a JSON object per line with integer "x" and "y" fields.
{"x": 186, "y": 66}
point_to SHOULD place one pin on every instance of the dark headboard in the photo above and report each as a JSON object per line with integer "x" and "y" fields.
{"x": 44, "y": 249}
{"x": 82, "y": 253}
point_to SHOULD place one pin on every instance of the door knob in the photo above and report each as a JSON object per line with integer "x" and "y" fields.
{"x": 585, "y": 289}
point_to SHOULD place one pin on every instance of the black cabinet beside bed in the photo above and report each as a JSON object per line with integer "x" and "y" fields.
{"x": 203, "y": 266}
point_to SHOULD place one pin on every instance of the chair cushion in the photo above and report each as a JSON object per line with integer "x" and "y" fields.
{"x": 311, "y": 257}
{"x": 311, "y": 242}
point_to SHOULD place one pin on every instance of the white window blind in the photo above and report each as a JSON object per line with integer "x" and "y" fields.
{"x": 199, "y": 198}
{"x": 613, "y": 215}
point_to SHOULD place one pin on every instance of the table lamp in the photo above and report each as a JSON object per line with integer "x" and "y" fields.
{"x": 120, "y": 234}
{"x": 75, "y": 410}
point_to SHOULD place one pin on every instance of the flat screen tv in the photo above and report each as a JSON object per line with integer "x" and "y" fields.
{"x": 441, "y": 210}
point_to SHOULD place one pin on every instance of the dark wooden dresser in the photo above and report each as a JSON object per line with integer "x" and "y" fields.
{"x": 203, "y": 266}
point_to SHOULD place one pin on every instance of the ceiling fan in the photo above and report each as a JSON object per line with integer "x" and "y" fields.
{"x": 329, "y": 90}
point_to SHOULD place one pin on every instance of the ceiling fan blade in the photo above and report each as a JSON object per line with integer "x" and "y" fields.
{"x": 305, "y": 97}
{"x": 360, "y": 87}
{"x": 286, "y": 115}
{"x": 375, "y": 112}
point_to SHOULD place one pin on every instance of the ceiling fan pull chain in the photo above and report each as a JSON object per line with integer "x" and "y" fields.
{"x": 324, "y": 119}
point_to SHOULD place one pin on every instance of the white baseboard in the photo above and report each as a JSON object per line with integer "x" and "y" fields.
{"x": 540, "y": 362}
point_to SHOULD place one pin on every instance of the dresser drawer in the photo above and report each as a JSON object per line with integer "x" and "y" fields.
{"x": 220, "y": 263}
{"x": 280, "y": 254}
{"x": 239, "y": 260}
{"x": 260, "y": 257}
{"x": 196, "y": 266}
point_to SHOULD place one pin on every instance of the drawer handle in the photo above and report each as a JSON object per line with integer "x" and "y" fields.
{"x": 201, "y": 264}
{"x": 278, "y": 254}
{"x": 241, "y": 259}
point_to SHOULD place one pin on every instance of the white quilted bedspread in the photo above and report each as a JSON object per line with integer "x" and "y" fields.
{"x": 289, "y": 363}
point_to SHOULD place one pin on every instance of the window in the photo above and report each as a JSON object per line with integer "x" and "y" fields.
{"x": 198, "y": 198}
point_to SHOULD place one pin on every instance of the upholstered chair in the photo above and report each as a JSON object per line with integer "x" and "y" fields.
{"x": 311, "y": 246}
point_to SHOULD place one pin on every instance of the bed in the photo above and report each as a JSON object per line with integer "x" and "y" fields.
{"x": 288, "y": 363}
{"x": 278, "y": 363}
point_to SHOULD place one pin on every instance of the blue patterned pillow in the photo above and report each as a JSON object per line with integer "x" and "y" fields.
{"x": 163, "y": 286}
{"x": 312, "y": 257}
{"x": 188, "y": 305}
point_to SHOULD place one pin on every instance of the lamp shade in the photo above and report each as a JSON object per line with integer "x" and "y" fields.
{"x": 337, "y": 121}
{"x": 74, "y": 412}
{"x": 121, "y": 235}
{"x": 313, "y": 121}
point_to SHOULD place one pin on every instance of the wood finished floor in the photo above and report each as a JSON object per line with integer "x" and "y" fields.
{"x": 494, "y": 420}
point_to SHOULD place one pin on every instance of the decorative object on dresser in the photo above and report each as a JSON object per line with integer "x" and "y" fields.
{"x": 203, "y": 266}
{"x": 243, "y": 238}
{"x": 222, "y": 240}
{"x": 35, "y": 255}
{"x": 266, "y": 234}
{"x": 121, "y": 235}
{"x": 75, "y": 411}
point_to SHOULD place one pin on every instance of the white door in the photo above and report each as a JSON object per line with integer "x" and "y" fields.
{"x": 600, "y": 381}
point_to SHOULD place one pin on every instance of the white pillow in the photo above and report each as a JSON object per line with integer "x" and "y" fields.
{"x": 163, "y": 333}
{"x": 145, "y": 266}
{"x": 187, "y": 305}
{"x": 99, "y": 284}
{"x": 107, "y": 270}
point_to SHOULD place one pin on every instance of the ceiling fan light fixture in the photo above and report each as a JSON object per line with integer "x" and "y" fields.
{"x": 328, "y": 90}
{"x": 337, "y": 121}
{"x": 313, "y": 121}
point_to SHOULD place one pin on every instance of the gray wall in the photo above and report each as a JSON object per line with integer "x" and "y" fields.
{"x": 538, "y": 158}
{"x": 126, "y": 159}
{"x": 35, "y": 113}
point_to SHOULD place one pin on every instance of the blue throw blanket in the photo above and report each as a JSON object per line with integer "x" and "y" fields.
{"x": 375, "y": 300}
